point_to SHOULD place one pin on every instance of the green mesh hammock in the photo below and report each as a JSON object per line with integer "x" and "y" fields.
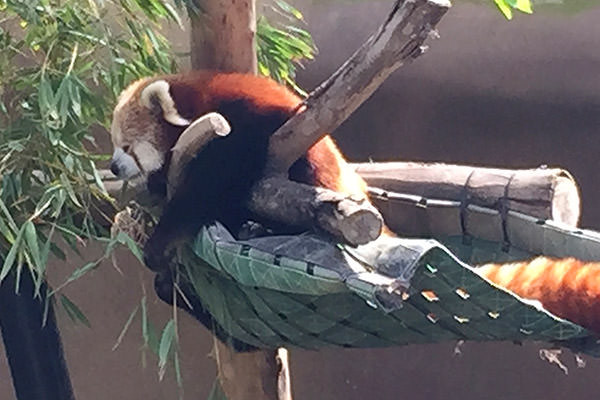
{"x": 307, "y": 292}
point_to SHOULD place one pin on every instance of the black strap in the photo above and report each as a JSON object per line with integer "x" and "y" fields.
{"x": 465, "y": 200}
{"x": 503, "y": 208}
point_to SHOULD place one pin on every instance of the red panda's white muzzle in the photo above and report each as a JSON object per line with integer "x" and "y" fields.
{"x": 123, "y": 165}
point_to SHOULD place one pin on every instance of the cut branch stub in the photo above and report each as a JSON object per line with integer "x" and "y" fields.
{"x": 354, "y": 221}
{"x": 398, "y": 41}
{"x": 196, "y": 136}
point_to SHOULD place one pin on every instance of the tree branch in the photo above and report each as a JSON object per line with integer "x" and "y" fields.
{"x": 397, "y": 42}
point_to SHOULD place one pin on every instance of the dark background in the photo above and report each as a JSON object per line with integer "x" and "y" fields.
{"x": 489, "y": 92}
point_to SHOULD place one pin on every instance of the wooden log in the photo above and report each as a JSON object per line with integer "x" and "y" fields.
{"x": 354, "y": 221}
{"x": 545, "y": 193}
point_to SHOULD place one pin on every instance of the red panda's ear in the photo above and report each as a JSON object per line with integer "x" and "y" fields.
{"x": 157, "y": 92}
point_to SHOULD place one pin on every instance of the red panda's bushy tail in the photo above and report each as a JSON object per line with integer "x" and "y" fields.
{"x": 568, "y": 288}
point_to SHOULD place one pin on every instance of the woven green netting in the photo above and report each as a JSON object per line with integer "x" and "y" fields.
{"x": 307, "y": 292}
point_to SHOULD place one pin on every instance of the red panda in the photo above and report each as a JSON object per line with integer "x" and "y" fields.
{"x": 151, "y": 114}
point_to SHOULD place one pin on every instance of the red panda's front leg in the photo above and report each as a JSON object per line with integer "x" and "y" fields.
{"x": 160, "y": 246}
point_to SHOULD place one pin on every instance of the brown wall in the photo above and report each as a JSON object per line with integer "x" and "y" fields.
{"x": 490, "y": 92}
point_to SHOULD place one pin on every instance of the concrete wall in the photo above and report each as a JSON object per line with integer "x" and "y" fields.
{"x": 490, "y": 92}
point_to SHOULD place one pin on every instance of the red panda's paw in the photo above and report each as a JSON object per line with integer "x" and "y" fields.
{"x": 158, "y": 255}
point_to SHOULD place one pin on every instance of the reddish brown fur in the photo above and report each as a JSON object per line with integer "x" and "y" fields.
{"x": 566, "y": 287}
{"x": 196, "y": 94}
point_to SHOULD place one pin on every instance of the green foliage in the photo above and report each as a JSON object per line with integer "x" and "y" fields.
{"x": 506, "y": 6}
{"x": 61, "y": 68}
{"x": 63, "y": 64}
{"x": 283, "y": 45}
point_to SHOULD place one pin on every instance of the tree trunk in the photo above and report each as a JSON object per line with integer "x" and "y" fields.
{"x": 33, "y": 349}
{"x": 223, "y": 36}
{"x": 254, "y": 375}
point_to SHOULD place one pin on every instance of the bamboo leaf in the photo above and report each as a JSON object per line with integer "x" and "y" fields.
{"x": 177, "y": 367}
{"x": 8, "y": 235}
{"x": 505, "y": 8}
{"x": 145, "y": 327}
{"x": 9, "y": 260}
{"x": 74, "y": 313}
{"x": 289, "y": 9}
{"x": 97, "y": 177}
{"x": 524, "y": 6}
{"x": 9, "y": 218}
{"x": 44, "y": 203}
{"x": 31, "y": 239}
{"x": 63, "y": 100}
{"x": 57, "y": 252}
{"x": 125, "y": 328}
{"x": 75, "y": 97}
{"x": 58, "y": 202}
{"x": 174, "y": 15}
{"x": 45, "y": 97}
{"x": 78, "y": 273}
{"x": 47, "y": 246}
{"x": 216, "y": 392}
{"x": 69, "y": 188}
{"x": 166, "y": 341}
{"x": 133, "y": 247}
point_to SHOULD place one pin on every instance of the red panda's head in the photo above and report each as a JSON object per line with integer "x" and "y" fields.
{"x": 145, "y": 125}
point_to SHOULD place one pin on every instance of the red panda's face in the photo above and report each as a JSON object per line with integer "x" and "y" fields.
{"x": 141, "y": 119}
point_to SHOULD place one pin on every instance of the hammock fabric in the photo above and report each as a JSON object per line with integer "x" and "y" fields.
{"x": 308, "y": 292}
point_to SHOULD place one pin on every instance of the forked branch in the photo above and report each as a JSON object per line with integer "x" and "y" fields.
{"x": 398, "y": 41}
